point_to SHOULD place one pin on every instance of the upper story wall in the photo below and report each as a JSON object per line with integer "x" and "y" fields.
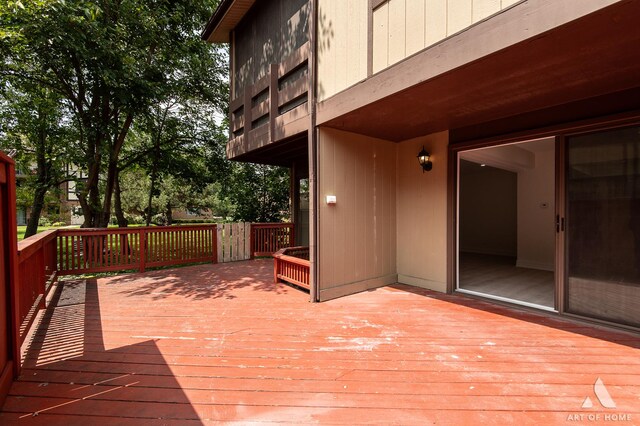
{"x": 342, "y": 45}
{"x": 358, "y": 38}
{"x": 404, "y": 27}
{"x": 271, "y": 31}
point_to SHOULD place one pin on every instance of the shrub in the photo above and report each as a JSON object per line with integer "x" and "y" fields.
{"x": 44, "y": 221}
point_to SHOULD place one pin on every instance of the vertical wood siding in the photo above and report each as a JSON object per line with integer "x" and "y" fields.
{"x": 342, "y": 45}
{"x": 404, "y": 27}
{"x": 422, "y": 213}
{"x": 270, "y": 32}
{"x": 357, "y": 234}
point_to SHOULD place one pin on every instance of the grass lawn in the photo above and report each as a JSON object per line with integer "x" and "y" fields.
{"x": 23, "y": 229}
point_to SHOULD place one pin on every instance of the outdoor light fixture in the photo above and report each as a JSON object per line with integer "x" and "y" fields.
{"x": 425, "y": 160}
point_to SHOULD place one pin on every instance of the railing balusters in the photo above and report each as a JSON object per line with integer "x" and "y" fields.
{"x": 292, "y": 265}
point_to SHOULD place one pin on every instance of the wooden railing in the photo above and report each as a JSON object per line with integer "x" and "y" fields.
{"x": 262, "y": 109}
{"x": 292, "y": 265}
{"x": 82, "y": 251}
{"x": 268, "y": 238}
{"x": 45, "y": 256}
{"x": 37, "y": 271}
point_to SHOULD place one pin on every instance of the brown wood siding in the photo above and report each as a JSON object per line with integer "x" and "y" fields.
{"x": 357, "y": 234}
{"x": 270, "y": 32}
{"x": 422, "y": 213}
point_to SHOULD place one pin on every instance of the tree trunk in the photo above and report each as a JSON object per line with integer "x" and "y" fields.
{"x": 43, "y": 170}
{"x": 36, "y": 210}
{"x": 112, "y": 171}
{"x": 117, "y": 204}
{"x": 150, "y": 199}
{"x": 169, "y": 214}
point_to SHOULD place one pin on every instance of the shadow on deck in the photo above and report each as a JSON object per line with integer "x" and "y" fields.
{"x": 213, "y": 343}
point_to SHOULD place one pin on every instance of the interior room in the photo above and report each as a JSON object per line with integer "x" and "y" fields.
{"x": 506, "y": 211}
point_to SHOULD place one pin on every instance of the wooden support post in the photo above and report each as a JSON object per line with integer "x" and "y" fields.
{"x": 42, "y": 274}
{"x": 247, "y": 111}
{"x": 142, "y": 250}
{"x": 253, "y": 242}
{"x": 292, "y": 235}
{"x": 273, "y": 100}
{"x": 214, "y": 243}
{"x": 276, "y": 269}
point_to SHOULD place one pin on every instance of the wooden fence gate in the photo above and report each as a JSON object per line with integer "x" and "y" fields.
{"x": 234, "y": 241}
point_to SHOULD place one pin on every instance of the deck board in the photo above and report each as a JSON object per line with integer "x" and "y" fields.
{"x": 222, "y": 343}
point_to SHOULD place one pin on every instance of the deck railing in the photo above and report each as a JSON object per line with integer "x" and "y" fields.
{"x": 292, "y": 265}
{"x": 82, "y": 251}
{"x": 268, "y": 238}
{"x": 37, "y": 271}
{"x": 45, "y": 256}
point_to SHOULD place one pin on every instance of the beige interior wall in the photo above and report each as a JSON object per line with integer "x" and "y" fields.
{"x": 403, "y": 27}
{"x": 342, "y": 45}
{"x": 536, "y": 211}
{"x": 422, "y": 214}
{"x": 357, "y": 235}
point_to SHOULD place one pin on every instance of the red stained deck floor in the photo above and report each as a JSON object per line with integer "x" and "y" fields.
{"x": 222, "y": 343}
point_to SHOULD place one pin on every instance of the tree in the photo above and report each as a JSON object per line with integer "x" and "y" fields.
{"x": 172, "y": 193}
{"x": 259, "y": 193}
{"x": 110, "y": 61}
{"x": 179, "y": 145}
{"x": 33, "y": 124}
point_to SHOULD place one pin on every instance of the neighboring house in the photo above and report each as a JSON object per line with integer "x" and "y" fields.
{"x": 21, "y": 211}
{"x": 66, "y": 209}
{"x": 529, "y": 110}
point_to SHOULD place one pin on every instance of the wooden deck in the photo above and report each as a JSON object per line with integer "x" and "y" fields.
{"x": 222, "y": 343}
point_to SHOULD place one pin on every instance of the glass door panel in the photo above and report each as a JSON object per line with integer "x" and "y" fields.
{"x": 603, "y": 225}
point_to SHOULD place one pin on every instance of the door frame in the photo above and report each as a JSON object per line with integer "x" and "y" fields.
{"x": 560, "y": 132}
{"x": 556, "y": 278}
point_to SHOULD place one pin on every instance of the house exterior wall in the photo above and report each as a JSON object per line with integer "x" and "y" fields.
{"x": 404, "y": 27}
{"x": 270, "y": 32}
{"x": 357, "y": 235}
{"x": 422, "y": 213}
{"x": 342, "y": 45}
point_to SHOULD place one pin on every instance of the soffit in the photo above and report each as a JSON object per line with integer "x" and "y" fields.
{"x": 226, "y": 17}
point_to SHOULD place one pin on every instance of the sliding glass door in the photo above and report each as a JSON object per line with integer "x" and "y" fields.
{"x": 602, "y": 207}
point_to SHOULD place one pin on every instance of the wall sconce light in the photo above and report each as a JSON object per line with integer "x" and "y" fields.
{"x": 424, "y": 158}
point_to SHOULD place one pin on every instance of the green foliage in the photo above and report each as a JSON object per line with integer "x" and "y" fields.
{"x": 44, "y": 221}
{"x": 259, "y": 193}
{"x": 173, "y": 191}
{"x": 129, "y": 95}
{"x": 34, "y": 127}
{"x": 111, "y": 63}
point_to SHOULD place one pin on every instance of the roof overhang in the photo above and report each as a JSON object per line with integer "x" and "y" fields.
{"x": 228, "y": 14}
